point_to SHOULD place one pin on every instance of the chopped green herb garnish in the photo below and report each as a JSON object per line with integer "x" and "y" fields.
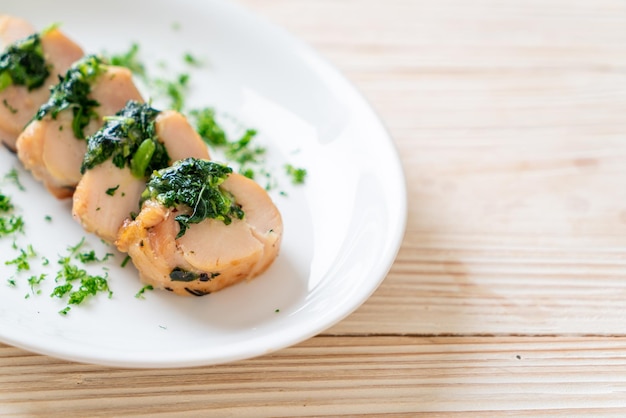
{"x": 140, "y": 294}
{"x": 248, "y": 172}
{"x": 44, "y": 261}
{"x": 21, "y": 262}
{"x": 73, "y": 92}
{"x": 129, "y": 139}
{"x": 90, "y": 257}
{"x": 191, "y": 60}
{"x": 271, "y": 181}
{"x": 75, "y": 248}
{"x": 89, "y": 286}
{"x": 298, "y": 175}
{"x": 11, "y": 282}
{"x": 8, "y": 106}
{"x": 11, "y": 224}
{"x": 62, "y": 290}
{"x": 112, "y": 190}
{"x": 248, "y": 156}
{"x": 5, "y": 204}
{"x": 208, "y": 128}
{"x": 195, "y": 184}
{"x": 14, "y": 177}
{"x": 70, "y": 275}
{"x": 34, "y": 281}
{"x": 241, "y": 151}
{"x": 23, "y": 64}
{"x": 130, "y": 60}
{"x": 125, "y": 261}
{"x": 175, "y": 90}
{"x": 48, "y": 218}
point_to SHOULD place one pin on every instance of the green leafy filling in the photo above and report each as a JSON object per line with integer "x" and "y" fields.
{"x": 72, "y": 92}
{"x": 195, "y": 184}
{"x": 129, "y": 139}
{"x": 180, "y": 275}
{"x": 23, "y": 64}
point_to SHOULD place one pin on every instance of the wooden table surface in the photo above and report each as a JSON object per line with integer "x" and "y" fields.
{"x": 508, "y": 296}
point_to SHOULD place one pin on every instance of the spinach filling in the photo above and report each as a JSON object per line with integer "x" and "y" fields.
{"x": 129, "y": 139}
{"x": 72, "y": 92}
{"x": 195, "y": 184}
{"x": 23, "y": 64}
{"x": 180, "y": 275}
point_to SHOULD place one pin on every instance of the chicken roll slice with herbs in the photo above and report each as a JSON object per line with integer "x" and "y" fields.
{"x": 28, "y": 67}
{"x": 120, "y": 158}
{"x": 53, "y": 145}
{"x": 201, "y": 228}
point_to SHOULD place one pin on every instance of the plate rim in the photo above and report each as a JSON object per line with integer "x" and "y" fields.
{"x": 323, "y": 69}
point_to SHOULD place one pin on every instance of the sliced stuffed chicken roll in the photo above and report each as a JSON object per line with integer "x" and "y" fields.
{"x": 201, "y": 228}
{"x": 53, "y": 145}
{"x": 121, "y": 156}
{"x": 30, "y": 64}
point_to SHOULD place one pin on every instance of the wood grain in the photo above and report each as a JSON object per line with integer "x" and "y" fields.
{"x": 507, "y": 296}
{"x": 509, "y": 118}
{"x": 338, "y": 376}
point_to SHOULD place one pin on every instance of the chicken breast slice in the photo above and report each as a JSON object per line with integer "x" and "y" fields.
{"x": 12, "y": 29}
{"x": 210, "y": 255}
{"x": 103, "y": 214}
{"x": 17, "y": 104}
{"x": 261, "y": 215}
{"x": 104, "y": 197}
{"x": 180, "y": 138}
{"x": 49, "y": 148}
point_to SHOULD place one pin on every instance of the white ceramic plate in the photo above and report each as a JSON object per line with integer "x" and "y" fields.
{"x": 342, "y": 229}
